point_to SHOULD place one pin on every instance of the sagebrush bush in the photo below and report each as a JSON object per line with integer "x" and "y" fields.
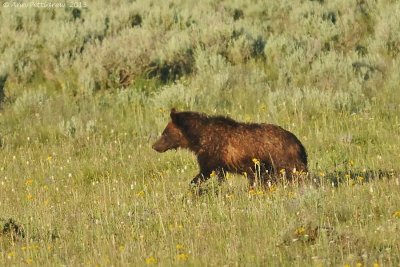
{"x": 30, "y": 102}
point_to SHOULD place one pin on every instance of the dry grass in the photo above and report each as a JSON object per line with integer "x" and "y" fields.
{"x": 86, "y": 91}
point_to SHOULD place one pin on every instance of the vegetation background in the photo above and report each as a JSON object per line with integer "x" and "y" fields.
{"x": 86, "y": 88}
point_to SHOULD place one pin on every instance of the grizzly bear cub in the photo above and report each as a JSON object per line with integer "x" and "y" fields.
{"x": 224, "y": 145}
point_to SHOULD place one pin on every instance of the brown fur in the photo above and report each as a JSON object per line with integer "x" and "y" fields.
{"x": 224, "y": 145}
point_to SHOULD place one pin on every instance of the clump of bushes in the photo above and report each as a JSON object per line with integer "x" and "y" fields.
{"x": 100, "y": 48}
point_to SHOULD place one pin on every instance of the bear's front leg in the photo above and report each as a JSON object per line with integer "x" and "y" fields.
{"x": 200, "y": 178}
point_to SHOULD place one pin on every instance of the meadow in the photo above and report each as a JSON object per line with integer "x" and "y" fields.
{"x": 86, "y": 88}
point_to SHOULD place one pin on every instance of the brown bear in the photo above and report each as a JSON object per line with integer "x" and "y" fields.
{"x": 224, "y": 145}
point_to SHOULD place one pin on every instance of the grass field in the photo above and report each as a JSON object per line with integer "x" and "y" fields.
{"x": 85, "y": 90}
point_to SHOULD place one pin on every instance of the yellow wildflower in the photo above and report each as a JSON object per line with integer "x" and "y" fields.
{"x": 396, "y": 214}
{"x": 272, "y": 188}
{"x": 213, "y": 174}
{"x": 28, "y": 181}
{"x": 254, "y": 192}
{"x": 256, "y": 161}
{"x": 140, "y": 193}
{"x": 263, "y": 107}
{"x": 300, "y": 231}
{"x": 151, "y": 260}
{"x": 10, "y": 254}
{"x": 260, "y": 193}
{"x": 229, "y": 195}
{"x": 182, "y": 257}
{"x": 179, "y": 247}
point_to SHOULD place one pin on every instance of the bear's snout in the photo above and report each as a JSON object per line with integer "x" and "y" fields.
{"x": 159, "y": 146}
{"x": 155, "y": 147}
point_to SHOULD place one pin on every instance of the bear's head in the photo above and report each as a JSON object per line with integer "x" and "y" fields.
{"x": 173, "y": 136}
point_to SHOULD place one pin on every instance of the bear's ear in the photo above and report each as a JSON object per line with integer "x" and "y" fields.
{"x": 174, "y": 116}
{"x": 178, "y": 118}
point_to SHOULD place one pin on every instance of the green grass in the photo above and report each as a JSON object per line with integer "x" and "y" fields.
{"x": 77, "y": 171}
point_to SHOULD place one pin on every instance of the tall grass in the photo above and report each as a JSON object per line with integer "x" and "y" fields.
{"x": 85, "y": 92}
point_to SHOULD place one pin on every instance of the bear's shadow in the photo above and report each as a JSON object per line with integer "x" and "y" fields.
{"x": 343, "y": 177}
{"x": 335, "y": 178}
